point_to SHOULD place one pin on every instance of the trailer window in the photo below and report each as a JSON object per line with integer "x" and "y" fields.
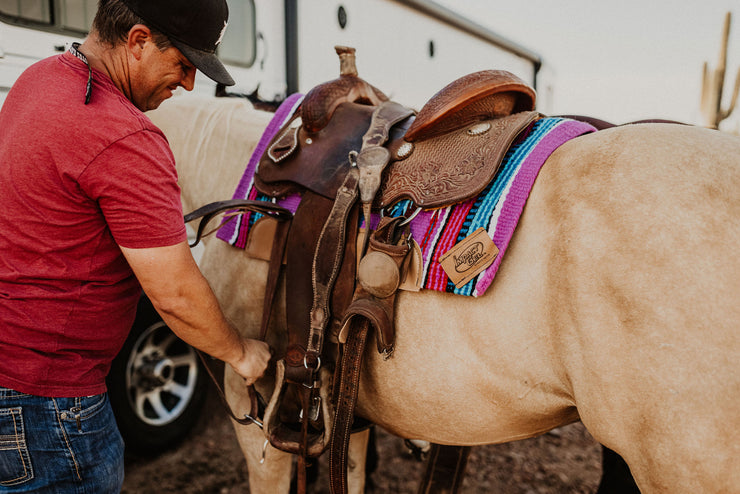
{"x": 77, "y": 15}
{"x": 37, "y": 11}
{"x": 65, "y": 16}
{"x": 239, "y": 44}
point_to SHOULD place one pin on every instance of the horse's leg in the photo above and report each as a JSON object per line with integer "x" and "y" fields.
{"x": 272, "y": 474}
{"x": 616, "y": 477}
{"x": 356, "y": 464}
{"x": 228, "y": 271}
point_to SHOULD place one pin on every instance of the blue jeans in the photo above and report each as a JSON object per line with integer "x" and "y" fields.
{"x": 59, "y": 445}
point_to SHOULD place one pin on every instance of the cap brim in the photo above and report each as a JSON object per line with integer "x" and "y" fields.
{"x": 208, "y": 63}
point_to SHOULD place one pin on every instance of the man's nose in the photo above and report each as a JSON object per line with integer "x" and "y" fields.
{"x": 188, "y": 81}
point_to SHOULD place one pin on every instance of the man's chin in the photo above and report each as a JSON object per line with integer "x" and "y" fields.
{"x": 154, "y": 104}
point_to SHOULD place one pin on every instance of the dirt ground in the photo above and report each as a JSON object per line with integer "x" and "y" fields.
{"x": 209, "y": 461}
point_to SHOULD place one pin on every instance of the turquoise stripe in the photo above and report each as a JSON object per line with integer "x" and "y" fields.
{"x": 513, "y": 161}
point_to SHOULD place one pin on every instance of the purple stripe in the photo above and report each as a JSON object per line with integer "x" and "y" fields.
{"x": 285, "y": 111}
{"x": 420, "y": 225}
{"x": 520, "y": 189}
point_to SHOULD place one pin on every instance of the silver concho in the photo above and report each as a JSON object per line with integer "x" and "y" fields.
{"x": 405, "y": 150}
{"x": 479, "y": 128}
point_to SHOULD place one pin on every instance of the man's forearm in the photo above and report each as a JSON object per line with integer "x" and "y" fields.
{"x": 193, "y": 313}
{"x": 182, "y": 296}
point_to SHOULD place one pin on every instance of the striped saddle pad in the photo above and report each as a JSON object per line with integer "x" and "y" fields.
{"x": 497, "y": 209}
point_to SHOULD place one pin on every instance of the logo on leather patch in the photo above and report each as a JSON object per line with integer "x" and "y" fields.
{"x": 469, "y": 258}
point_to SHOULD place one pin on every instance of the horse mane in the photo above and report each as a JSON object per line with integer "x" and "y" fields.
{"x": 253, "y": 97}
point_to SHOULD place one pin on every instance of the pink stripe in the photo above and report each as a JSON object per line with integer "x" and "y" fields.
{"x": 429, "y": 239}
{"x": 437, "y": 278}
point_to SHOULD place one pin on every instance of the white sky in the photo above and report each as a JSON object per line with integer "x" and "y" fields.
{"x": 619, "y": 60}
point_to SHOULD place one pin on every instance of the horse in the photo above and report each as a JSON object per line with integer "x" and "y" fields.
{"x": 615, "y": 305}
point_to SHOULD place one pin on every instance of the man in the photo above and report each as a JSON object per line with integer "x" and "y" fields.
{"x": 92, "y": 214}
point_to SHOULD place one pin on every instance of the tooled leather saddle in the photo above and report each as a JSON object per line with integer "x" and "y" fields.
{"x": 350, "y": 151}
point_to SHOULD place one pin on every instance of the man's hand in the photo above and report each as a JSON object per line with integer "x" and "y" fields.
{"x": 253, "y": 362}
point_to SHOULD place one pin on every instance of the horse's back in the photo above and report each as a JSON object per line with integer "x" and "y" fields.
{"x": 662, "y": 196}
{"x": 653, "y": 199}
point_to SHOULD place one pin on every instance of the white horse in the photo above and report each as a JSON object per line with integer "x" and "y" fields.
{"x": 617, "y": 305}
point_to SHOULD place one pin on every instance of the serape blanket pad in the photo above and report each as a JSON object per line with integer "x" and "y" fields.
{"x": 497, "y": 209}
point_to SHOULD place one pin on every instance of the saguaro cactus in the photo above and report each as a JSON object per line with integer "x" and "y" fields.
{"x": 713, "y": 84}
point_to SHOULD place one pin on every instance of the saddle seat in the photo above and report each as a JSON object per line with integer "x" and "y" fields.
{"x": 447, "y": 158}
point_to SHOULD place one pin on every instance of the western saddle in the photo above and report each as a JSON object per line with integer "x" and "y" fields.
{"x": 350, "y": 151}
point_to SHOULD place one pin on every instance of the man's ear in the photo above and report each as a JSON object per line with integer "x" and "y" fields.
{"x": 138, "y": 36}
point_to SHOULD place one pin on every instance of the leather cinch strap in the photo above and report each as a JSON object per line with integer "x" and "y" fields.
{"x": 445, "y": 469}
{"x": 371, "y": 161}
{"x": 327, "y": 260}
{"x": 372, "y": 306}
{"x": 353, "y": 349}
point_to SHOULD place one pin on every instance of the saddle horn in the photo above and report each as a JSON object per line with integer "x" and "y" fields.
{"x": 321, "y": 101}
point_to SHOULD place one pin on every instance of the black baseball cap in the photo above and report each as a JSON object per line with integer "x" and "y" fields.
{"x": 195, "y": 27}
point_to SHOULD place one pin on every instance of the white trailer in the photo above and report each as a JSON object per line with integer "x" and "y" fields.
{"x": 408, "y": 48}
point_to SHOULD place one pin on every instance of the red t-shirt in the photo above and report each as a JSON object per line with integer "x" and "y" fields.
{"x": 76, "y": 181}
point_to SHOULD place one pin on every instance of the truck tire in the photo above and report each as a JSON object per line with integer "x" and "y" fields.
{"x": 157, "y": 385}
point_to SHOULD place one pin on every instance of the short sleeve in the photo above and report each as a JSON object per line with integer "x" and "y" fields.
{"x": 134, "y": 182}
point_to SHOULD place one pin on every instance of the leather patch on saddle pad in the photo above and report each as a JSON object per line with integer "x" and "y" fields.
{"x": 468, "y": 258}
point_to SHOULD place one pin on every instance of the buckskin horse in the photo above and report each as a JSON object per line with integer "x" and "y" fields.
{"x": 615, "y": 304}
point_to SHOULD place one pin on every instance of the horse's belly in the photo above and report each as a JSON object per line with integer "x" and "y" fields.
{"x": 456, "y": 378}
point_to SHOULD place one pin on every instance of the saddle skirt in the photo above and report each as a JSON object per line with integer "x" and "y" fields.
{"x": 496, "y": 208}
